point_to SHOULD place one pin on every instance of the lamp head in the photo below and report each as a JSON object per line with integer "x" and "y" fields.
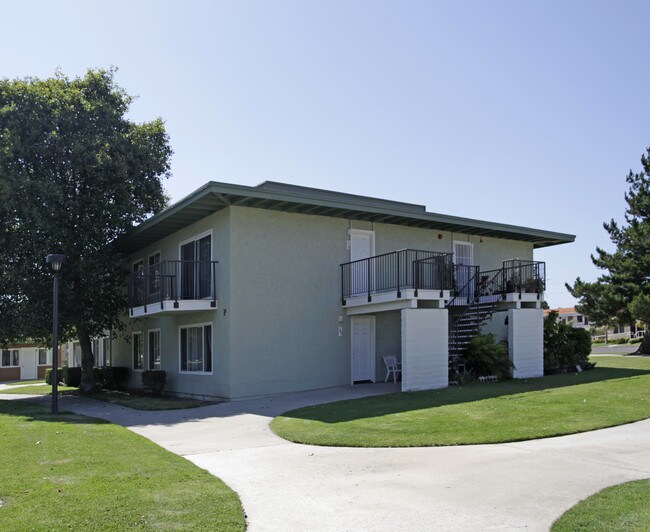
{"x": 55, "y": 262}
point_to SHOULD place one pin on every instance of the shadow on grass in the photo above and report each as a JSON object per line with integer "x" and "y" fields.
{"x": 396, "y": 403}
{"x": 37, "y": 412}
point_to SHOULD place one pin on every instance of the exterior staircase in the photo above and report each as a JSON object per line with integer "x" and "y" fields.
{"x": 466, "y": 326}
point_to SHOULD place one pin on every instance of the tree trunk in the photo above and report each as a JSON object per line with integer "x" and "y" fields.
{"x": 644, "y": 346}
{"x": 87, "y": 363}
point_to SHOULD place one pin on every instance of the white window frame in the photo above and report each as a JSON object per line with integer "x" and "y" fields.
{"x": 48, "y": 356}
{"x": 191, "y": 326}
{"x": 11, "y": 356}
{"x": 105, "y": 341}
{"x": 149, "y": 331}
{"x": 133, "y": 263}
{"x": 157, "y": 252}
{"x": 144, "y": 350}
{"x": 198, "y": 236}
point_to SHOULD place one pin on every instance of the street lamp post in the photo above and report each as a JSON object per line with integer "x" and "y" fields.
{"x": 55, "y": 262}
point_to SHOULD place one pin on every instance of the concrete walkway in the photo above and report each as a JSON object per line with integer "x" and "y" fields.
{"x": 284, "y": 486}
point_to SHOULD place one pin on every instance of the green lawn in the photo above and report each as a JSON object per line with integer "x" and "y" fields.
{"x": 623, "y": 507}
{"x": 39, "y": 389}
{"x": 131, "y": 400}
{"x": 616, "y": 392}
{"x": 145, "y": 402}
{"x": 34, "y": 381}
{"x": 76, "y": 473}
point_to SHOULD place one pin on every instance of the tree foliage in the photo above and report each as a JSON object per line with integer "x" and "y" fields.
{"x": 564, "y": 345}
{"x": 75, "y": 174}
{"x": 621, "y": 293}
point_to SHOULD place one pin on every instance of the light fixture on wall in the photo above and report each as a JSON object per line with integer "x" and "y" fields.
{"x": 439, "y": 236}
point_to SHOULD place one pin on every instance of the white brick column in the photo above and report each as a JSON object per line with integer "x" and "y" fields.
{"x": 425, "y": 351}
{"x": 526, "y": 342}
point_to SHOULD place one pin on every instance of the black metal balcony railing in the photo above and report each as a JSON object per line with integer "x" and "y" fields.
{"x": 430, "y": 270}
{"x": 173, "y": 280}
{"x": 398, "y": 270}
{"x": 516, "y": 276}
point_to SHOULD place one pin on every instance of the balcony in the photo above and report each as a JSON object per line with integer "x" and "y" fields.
{"x": 397, "y": 277}
{"x": 517, "y": 280}
{"x": 173, "y": 286}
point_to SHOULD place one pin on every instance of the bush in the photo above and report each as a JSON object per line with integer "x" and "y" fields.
{"x": 486, "y": 357}
{"x": 635, "y": 340}
{"x": 71, "y": 376}
{"x": 154, "y": 381}
{"x": 564, "y": 345}
{"x": 111, "y": 378}
{"x": 48, "y": 376}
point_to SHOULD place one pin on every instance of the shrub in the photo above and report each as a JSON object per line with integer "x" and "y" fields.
{"x": 48, "y": 376}
{"x": 111, "y": 378}
{"x": 564, "y": 345}
{"x": 635, "y": 340}
{"x": 154, "y": 381}
{"x": 71, "y": 376}
{"x": 486, "y": 357}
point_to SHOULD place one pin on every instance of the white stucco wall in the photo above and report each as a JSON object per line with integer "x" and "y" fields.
{"x": 424, "y": 349}
{"x": 526, "y": 342}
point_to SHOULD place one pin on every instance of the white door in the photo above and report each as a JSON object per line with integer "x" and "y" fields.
{"x": 362, "y": 246}
{"x": 28, "y": 364}
{"x": 363, "y": 349}
{"x": 464, "y": 256}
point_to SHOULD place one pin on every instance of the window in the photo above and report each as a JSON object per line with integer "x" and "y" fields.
{"x": 579, "y": 319}
{"x": 106, "y": 351}
{"x": 10, "y": 357}
{"x": 196, "y": 348}
{"x": 154, "y": 349}
{"x": 138, "y": 350}
{"x": 196, "y": 282}
{"x": 42, "y": 357}
{"x": 586, "y": 321}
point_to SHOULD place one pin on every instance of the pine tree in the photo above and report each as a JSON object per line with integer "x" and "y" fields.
{"x": 622, "y": 292}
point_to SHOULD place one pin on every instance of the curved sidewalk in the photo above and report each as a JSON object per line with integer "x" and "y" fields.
{"x": 285, "y": 486}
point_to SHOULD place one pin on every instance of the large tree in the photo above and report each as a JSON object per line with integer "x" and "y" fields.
{"x": 75, "y": 174}
{"x": 622, "y": 292}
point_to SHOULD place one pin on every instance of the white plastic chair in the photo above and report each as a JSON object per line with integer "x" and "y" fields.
{"x": 392, "y": 366}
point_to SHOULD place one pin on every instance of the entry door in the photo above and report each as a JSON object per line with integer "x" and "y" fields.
{"x": 195, "y": 268}
{"x": 362, "y": 246}
{"x": 363, "y": 349}
{"x": 28, "y": 364}
{"x": 464, "y": 260}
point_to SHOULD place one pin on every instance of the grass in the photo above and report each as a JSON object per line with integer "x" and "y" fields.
{"x": 73, "y": 472}
{"x": 128, "y": 399}
{"x": 39, "y": 389}
{"x": 622, "y": 507}
{"x": 617, "y": 391}
{"x": 145, "y": 402}
{"x": 33, "y": 381}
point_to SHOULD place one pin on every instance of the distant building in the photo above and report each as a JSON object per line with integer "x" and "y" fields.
{"x": 571, "y": 316}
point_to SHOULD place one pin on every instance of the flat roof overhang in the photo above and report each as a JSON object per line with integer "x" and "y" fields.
{"x": 214, "y": 196}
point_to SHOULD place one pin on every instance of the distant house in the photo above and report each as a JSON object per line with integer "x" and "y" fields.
{"x": 22, "y": 361}
{"x": 240, "y": 291}
{"x": 580, "y": 321}
{"x": 571, "y": 316}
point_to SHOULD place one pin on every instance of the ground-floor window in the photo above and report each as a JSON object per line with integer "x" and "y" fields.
{"x": 10, "y": 358}
{"x": 138, "y": 350}
{"x": 106, "y": 351}
{"x": 154, "y": 349}
{"x": 42, "y": 357}
{"x": 196, "y": 348}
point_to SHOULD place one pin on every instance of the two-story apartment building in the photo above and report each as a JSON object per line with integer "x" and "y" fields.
{"x": 240, "y": 291}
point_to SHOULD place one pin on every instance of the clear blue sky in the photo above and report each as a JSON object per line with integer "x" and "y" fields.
{"x": 518, "y": 112}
